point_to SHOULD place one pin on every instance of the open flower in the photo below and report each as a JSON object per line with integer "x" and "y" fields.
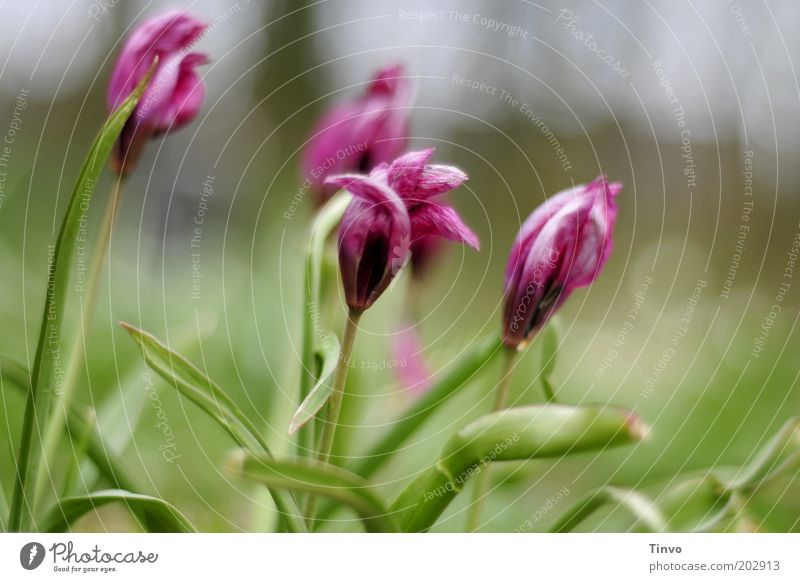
{"x": 392, "y": 207}
{"x": 357, "y": 135}
{"x": 562, "y": 246}
{"x": 175, "y": 94}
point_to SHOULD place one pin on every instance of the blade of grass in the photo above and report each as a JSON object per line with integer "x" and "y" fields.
{"x": 154, "y": 514}
{"x": 316, "y": 479}
{"x": 47, "y": 361}
{"x": 206, "y": 394}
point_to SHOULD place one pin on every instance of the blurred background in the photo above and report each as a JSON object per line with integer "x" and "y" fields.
{"x": 695, "y": 107}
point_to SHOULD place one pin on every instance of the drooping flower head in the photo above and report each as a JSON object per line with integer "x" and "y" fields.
{"x": 357, "y": 135}
{"x": 562, "y": 246}
{"x": 392, "y": 207}
{"x": 174, "y": 95}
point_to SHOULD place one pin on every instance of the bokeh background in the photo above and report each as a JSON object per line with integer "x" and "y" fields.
{"x": 698, "y": 114}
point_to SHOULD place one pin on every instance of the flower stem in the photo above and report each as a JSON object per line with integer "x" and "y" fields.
{"x": 500, "y": 398}
{"x": 335, "y": 403}
{"x": 55, "y": 426}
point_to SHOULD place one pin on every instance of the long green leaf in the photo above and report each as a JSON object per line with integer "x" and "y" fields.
{"x": 324, "y": 480}
{"x": 327, "y": 220}
{"x": 155, "y": 515}
{"x": 48, "y": 360}
{"x": 205, "y": 393}
{"x": 321, "y": 392}
{"x": 514, "y": 434}
{"x": 640, "y": 506}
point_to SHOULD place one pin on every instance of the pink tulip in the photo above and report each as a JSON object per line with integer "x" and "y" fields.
{"x": 562, "y": 246}
{"x": 357, "y": 135}
{"x": 392, "y": 207}
{"x": 175, "y": 93}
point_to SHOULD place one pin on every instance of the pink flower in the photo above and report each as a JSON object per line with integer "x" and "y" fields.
{"x": 358, "y": 135}
{"x": 392, "y": 208}
{"x": 175, "y": 93}
{"x": 562, "y": 246}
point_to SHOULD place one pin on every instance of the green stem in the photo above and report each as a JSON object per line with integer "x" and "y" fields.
{"x": 80, "y": 448}
{"x": 55, "y": 425}
{"x": 335, "y": 402}
{"x": 327, "y": 220}
{"x": 500, "y": 399}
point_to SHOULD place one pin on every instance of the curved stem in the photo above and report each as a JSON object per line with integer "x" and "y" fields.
{"x": 500, "y": 399}
{"x": 61, "y": 408}
{"x": 335, "y": 402}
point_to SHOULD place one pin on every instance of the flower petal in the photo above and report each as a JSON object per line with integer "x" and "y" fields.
{"x": 406, "y": 171}
{"x": 430, "y": 218}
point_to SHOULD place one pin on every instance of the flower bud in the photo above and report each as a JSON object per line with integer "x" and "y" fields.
{"x": 357, "y": 135}
{"x": 562, "y": 246}
{"x": 175, "y": 94}
{"x": 391, "y": 208}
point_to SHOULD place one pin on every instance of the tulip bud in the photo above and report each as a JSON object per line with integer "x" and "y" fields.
{"x": 391, "y": 208}
{"x": 358, "y": 135}
{"x": 561, "y": 247}
{"x": 175, "y": 94}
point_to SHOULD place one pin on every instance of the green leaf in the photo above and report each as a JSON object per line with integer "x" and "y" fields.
{"x": 514, "y": 434}
{"x": 105, "y": 460}
{"x": 465, "y": 369}
{"x": 327, "y": 220}
{"x": 646, "y": 512}
{"x": 317, "y": 479}
{"x": 695, "y": 504}
{"x": 197, "y": 387}
{"x": 155, "y": 515}
{"x": 321, "y": 392}
{"x": 474, "y": 361}
{"x": 205, "y": 393}
{"x": 780, "y": 454}
{"x": 60, "y": 267}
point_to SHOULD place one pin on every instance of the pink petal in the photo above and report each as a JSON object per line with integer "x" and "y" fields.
{"x": 406, "y": 171}
{"x": 412, "y": 369}
{"x": 435, "y": 219}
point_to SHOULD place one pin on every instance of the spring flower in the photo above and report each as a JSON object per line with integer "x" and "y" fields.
{"x": 175, "y": 94}
{"x": 392, "y": 207}
{"x": 562, "y": 246}
{"x": 356, "y": 136}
